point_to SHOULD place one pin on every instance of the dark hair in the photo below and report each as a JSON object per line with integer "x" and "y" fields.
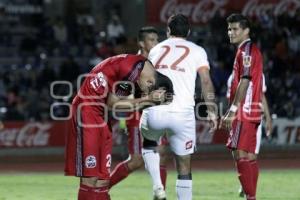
{"x": 239, "y": 18}
{"x": 145, "y": 30}
{"x": 179, "y": 25}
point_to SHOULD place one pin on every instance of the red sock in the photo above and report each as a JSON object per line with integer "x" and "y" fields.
{"x": 245, "y": 176}
{"x": 255, "y": 173}
{"x": 163, "y": 175}
{"x": 91, "y": 193}
{"x": 120, "y": 172}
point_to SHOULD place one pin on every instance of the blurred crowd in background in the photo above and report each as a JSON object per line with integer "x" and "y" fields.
{"x": 36, "y": 53}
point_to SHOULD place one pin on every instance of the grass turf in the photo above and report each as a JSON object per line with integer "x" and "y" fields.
{"x": 207, "y": 185}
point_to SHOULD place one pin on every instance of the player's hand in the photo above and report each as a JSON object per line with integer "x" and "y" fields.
{"x": 227, "y": 119}
{"x": 157, "y": 96}
{"x": 269, "y": 127}
{"x": 213, "y": 121}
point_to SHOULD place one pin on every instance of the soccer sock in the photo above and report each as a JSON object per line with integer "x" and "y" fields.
{"x": 151, "y": 159}
{"x": 120, "y": 172}
{"x": 91, "y": 193}
{"x": 255, "y": 173}
{"x": 184, "y": 188}
{"x": 163, "y": 175}
{"x": 245, "y": 177}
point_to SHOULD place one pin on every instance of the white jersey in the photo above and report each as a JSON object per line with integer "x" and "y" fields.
{"x": 180, "y": 60}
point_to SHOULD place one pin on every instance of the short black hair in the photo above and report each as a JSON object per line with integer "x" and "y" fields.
{"x": 162, "y": 81}
{"x": 179, "y": 25}
{"x": 239, "y": 18}
{"x": 145, "y": 30}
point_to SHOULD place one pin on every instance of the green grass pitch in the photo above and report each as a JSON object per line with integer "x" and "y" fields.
{"x": 207, "y": 185}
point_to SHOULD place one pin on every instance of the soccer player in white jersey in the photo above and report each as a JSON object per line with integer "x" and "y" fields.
{"x": 180, "y": 60}
{"x": 267, "y": 119}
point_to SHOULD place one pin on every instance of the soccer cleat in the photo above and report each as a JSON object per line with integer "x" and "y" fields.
{"x": 241, "y": 192}
{"x": 159, "y": 194}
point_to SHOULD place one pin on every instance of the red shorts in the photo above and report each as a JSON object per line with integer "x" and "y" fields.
{"x": 88, "y": 149}
{"x": 134, "y": 142}
{"x": 243, "y": 136}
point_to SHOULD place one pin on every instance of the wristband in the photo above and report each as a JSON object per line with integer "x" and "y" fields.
{"x": 233, "y": 108}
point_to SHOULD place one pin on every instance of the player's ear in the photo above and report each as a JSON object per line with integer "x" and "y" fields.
{"x": 247, "y": 31}
{"x": 168, "y": 32}
{"x": 141, "y": 44}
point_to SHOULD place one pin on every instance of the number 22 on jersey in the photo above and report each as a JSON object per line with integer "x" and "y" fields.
{"x": 176, "y": 64}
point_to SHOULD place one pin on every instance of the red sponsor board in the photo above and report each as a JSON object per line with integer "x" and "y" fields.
{"x": 201, "y": 11}
{"x": 33, "y": 134}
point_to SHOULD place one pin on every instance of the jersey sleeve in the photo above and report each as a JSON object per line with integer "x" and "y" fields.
{"x": 201, "y": 59}
{"x": 247, "y": 61}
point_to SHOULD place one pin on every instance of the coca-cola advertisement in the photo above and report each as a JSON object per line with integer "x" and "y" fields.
{"x": 201, "y": 11}
{"x": 32, "y": 134}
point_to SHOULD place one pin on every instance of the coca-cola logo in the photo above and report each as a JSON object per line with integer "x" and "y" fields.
{"x": 31, "y": 134}
{"x": 203, "y": 10}
{"x": 256, "y": 8}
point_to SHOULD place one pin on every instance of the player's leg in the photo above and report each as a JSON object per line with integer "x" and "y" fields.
{"x": 243, "y": 167}
{"x": 135, "y": 160}
{"x": 94, "y": 148}
{"x": 152, "y": 165}
{"x": 182, "y": 143}
{"x": 124, "y": 168}
{"x": 150, "y": 154}
{"x": 253, "y": 160}
{"x": 163, "y": 153}
{"x": 243, "y": 141}
{"x": 184, "y": 184}
{"x": 92, "y": 188}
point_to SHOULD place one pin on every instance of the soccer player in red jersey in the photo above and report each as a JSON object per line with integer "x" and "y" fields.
{"x": 89, "y": 142}
{"x": 147, "y": 39}
{"x": 244, "y": 115}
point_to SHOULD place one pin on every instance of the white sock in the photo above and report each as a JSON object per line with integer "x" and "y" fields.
{"x": 151, "y": 159}
{"x": 184, "y": 189}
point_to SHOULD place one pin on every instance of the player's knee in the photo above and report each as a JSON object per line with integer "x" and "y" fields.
{"x": 135, "y": 162}
{"x": 239, "y": 154}
{"x": 163, "y": 155}
{"x": 252, "y": 156}
{"x": 94, "y": 182}
{"x": 183, "y": 164}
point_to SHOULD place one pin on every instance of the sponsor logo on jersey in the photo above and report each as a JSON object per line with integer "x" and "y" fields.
{"x": 90, "y": 162}
{"x": 189, "y": 144}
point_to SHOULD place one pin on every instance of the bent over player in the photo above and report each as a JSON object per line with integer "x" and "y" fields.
{"x": 89, "y": 140}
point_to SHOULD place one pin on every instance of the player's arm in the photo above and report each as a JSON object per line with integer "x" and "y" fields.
{"x": 241, "y": 91}
{"x": 208, "y": 93}
{"x": 240, "y": 94}
{"x": 267, "y": 115}
{"x": 132, "y": 104}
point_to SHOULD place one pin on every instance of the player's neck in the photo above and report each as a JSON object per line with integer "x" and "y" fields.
{"x": 177, "y": 37}
{"x": 243, "y": 42}
{"x": 143, "y": 53}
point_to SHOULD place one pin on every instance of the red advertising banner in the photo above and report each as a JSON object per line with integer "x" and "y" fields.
{"x": 52, "y": 134}
{"x": 201, "y": 11}
{"x": 33, "y": 134}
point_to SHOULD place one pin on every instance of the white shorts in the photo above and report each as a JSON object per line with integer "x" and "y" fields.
{"x": 180, "y": 128}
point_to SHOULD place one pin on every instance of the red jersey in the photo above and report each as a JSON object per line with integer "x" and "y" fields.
{"x": 248, "y": 63}
{"x": 104, "y": 79}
